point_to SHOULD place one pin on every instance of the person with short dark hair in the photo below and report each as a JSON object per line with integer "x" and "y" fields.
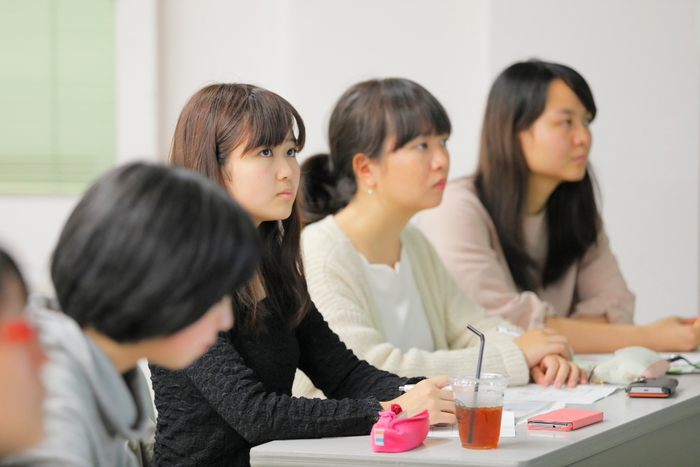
{"x": 240, "y": 393}
{"x": 144, "y": 268}
{"x": 21, "y": 358}
{"x": 524, "y": 237}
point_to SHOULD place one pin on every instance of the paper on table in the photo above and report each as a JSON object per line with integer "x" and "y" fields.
{"x": 581, "y": 394}
{"x": 451, "y": 431}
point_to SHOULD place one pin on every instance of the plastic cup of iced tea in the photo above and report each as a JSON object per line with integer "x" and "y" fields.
{"x": 479, "y": 407}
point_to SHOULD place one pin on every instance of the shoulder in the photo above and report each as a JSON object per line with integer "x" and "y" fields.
{"x": 461, "y": 213}
{"x": 325, "y": 241}
{"x": 420, "y": 250}
{"x": 71, "y": 419}
{"x": 325, "y": 228}
{"x": 413, "y": 239}
{"x": 460, "y": 201}
{"x": 460, "y": 195}
{"x": 462, "y": 188}
{"x": 63, "y": 342}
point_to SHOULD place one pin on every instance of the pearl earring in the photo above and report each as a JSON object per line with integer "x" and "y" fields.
{"x": 369, "y": 192}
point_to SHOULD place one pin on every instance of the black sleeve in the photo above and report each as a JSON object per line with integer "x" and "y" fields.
{"x": 335, "y": 370}
{"x": 238, "y": 396}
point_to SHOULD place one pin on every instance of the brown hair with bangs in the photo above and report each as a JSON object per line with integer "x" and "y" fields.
{"x": 216, "y": 120}
{"x": 363, "y": 119}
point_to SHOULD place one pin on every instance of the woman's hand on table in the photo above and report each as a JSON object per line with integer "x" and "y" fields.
{"x": 673, "y": 334}
{"x": 537, "y": 343}
{"x": 558, "y": 370}
{"x": 427, "y": 394}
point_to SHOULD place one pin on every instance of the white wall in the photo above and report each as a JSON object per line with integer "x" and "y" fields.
{"x": 310, "y": 51}
{"x": 641, "y": 58}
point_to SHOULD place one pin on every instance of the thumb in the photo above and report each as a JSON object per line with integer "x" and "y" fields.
{"x": 439, "y": 381}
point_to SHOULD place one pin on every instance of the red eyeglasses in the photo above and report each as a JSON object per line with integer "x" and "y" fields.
{"x": 17, "y": 331}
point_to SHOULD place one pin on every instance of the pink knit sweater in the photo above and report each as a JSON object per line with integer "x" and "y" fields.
{"x": 465, "y": 238}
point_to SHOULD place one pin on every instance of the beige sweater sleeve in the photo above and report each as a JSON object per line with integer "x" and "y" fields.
{"x": 339, "y": 289}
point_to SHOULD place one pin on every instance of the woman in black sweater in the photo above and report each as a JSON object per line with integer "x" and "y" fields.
{"x": 238, "y": 395}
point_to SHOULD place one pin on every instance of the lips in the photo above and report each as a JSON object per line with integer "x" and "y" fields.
{"x": 440, "y": 185}
{"x": 286, "y": 194}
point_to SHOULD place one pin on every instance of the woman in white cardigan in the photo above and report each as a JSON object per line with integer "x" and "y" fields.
{"x": 376, "y": 279}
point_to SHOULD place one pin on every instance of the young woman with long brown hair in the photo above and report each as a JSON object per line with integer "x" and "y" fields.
{"x": 524, "y": 237}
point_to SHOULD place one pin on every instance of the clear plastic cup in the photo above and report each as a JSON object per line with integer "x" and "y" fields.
{"x": 479, "y": 407}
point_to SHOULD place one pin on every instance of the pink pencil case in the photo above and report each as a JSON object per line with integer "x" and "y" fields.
{"x": 396, "y": 433}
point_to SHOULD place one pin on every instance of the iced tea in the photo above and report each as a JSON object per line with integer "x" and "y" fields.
{"x": 486, "y": 426}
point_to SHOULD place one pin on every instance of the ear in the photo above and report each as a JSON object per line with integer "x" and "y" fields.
{"x": 364, "y": 170}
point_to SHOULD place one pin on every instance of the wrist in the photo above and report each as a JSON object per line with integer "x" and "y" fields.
{"x": 645, "y": 335}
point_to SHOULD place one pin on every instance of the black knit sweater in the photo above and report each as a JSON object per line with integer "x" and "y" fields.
{"x": 238, "y": 394}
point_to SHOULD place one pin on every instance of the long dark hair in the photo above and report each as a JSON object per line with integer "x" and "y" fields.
{"x": 216, "y": 120}
{"x": 362, "y": 120}
{"x": 149, "y": 249}
{"x": 516, "y": 100}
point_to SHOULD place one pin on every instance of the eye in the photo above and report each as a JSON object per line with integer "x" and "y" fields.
{"x": 443, "y": 142}
{"x": 292, "y": 152}
{"x": 422, "y": 145}
{"x": 266, "y": 153}
{"x": 566, "y": 122}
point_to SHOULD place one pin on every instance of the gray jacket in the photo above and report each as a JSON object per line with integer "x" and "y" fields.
{"x": 91, "y": 411}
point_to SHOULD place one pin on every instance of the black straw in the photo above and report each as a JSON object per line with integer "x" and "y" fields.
{"x": 476, "y": 387}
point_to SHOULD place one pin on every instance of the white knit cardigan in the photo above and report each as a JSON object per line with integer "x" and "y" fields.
{"x": 339, "y": 288}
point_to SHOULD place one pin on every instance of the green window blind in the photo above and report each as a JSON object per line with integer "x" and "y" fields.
{"x": 56, "y": 94}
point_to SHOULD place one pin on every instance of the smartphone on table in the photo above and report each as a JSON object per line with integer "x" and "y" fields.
{"x": 652, "y": 387}
{"x": 564, "y": 419}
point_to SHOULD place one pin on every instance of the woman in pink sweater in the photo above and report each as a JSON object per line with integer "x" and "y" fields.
{"x": 524, "y": 237}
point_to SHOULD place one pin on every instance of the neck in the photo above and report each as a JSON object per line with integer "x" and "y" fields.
{"x": 374, "y": 229}
{"x": 123, "y": 356}
{"x": 539, "y": 191}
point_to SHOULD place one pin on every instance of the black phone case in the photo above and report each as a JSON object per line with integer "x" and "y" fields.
{"x": 652, "y": 387}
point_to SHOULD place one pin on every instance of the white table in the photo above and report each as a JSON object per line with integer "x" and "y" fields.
{"x": 635, "y": 432}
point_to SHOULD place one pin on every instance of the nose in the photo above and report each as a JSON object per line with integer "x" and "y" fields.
{"x": 441, "y": 159}
{"x": 583, "y": 136}
{"x": 284, "y": 167}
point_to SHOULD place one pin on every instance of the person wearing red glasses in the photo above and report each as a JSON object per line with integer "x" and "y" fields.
{"x": 21, "y": 358}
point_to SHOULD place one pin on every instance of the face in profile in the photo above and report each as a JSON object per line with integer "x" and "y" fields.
{"x": 185, "y": 346}
{"x": 413, "y": 177}
{"x": 21, "y": 358}
{"x": 557, "y": 144}
{"x": 264, "y": 180}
